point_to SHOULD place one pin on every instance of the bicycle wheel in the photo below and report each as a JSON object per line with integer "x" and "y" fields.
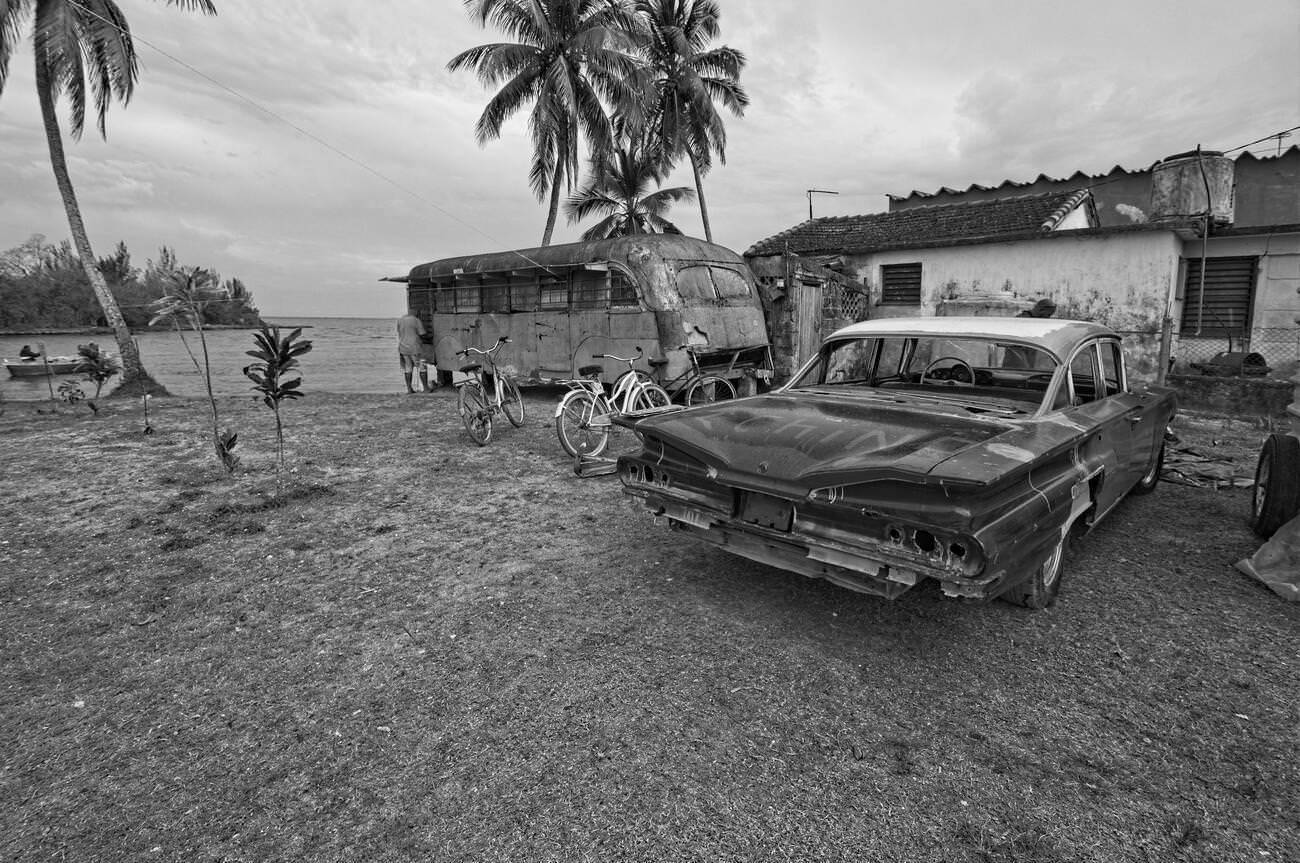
{"x": 709, "y": 389}
{"x": 474, "y": 412}
{"x": 512, "y": 402}
{"x": 651, "y": 396}
{"x": 573, "y": 424}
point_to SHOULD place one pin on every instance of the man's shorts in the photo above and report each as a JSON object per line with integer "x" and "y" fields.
{"x": 410, "y": 362}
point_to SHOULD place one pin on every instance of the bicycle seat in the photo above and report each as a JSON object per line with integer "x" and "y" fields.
{"x": 656, "y": 363}
{"x": 471, "y": 368}
{"x": 588, "y": 371}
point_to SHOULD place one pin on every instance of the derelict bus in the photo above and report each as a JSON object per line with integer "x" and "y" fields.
{"x": 561, "y": 305}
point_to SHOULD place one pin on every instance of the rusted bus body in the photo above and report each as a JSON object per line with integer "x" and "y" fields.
{"x": 562, "y": 305}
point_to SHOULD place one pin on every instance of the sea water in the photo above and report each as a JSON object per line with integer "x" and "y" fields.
{"x": 348, "y": 355}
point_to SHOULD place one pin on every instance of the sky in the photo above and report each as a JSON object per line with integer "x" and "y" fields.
{"x": 312, "y": 147}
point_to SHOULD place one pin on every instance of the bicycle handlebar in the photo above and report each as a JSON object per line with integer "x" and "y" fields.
{"x": 628, "y": 360}
{"x": 466, "y": 351}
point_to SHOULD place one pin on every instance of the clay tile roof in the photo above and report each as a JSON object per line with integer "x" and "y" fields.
{"x": 934, "y": 225}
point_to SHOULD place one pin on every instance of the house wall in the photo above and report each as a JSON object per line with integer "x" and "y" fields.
{"x": 1275, "y": 313}
{"x": 1121, "y": 280}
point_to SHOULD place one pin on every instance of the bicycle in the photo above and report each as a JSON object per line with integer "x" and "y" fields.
{"x": 699, "y": 387}
{"x": 476, "y": 405}
{"x": 583, "y": 417}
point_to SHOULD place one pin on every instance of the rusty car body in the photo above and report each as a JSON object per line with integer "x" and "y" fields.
{"x": 963, "y": 449}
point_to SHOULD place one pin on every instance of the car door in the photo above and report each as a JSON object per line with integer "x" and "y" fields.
{"x": 1144, "y": 425}
{"x": 1107, "y": 443}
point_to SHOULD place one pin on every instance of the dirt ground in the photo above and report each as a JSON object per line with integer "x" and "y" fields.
{"x": 409, "y": 647}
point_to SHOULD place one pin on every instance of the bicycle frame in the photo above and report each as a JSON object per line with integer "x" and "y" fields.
{"x": 585, "y": 412}
{"x": 477, "y": 405}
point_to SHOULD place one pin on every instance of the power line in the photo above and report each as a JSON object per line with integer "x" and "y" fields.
{"x": 1279, "y": 135}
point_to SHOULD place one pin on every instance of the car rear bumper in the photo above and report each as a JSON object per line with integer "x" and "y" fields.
{"x": 878, "y": 571}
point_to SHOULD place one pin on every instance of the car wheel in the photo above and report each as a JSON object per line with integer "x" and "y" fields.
{"x": 1276, "y": 498}
{"x": 1151, "y": 478}
{"x": 1040, "y": 591}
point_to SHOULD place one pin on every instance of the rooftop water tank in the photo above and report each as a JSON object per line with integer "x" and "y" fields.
{"x": 1179, "y": 183}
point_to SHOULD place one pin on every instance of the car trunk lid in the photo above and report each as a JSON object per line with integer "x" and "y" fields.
{"x": 792, "y": 443}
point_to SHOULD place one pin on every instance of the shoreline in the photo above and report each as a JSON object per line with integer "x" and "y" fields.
{"x": 108, "y": 331}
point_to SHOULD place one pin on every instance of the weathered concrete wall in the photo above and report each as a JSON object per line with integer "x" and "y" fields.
{"x": 1120, "y": 280}
{"x": 1233, "y": 396}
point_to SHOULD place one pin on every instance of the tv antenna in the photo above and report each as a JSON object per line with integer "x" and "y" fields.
{"x": 812, "y": 192}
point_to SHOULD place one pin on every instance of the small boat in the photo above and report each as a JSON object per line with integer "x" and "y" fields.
{"x": 42, "y": 366}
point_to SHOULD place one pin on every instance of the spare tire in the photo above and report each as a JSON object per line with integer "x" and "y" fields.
{"x": 1276, "y": 498}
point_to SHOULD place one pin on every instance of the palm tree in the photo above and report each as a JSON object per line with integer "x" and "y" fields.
{"x": 688, "y": 78}
{"x": 569, "y": 56}
{"x": 617, "y": 190}
{"x": 81, "y": 44}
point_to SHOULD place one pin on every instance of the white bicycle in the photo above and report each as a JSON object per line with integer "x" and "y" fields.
{"x": 583, "y": 417}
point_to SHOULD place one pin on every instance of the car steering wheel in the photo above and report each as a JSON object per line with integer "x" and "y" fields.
{"x": 958, "y": 363}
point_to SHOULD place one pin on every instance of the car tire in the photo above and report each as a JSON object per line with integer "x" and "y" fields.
{"x": 1041, "y": 590}
{"x": 1276, "y": 498}
{"x": 1151, "y": 478}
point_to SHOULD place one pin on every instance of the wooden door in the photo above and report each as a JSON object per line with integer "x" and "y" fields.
{"x": 808, "y": 319}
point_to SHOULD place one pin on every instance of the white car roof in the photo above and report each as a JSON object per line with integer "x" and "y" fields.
{"x": 1058, "y": 335}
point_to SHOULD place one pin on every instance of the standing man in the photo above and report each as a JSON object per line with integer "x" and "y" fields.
{"x": 409, "y": 331}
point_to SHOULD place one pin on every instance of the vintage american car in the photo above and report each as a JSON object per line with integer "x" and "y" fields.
{"x": 969, "y": 450}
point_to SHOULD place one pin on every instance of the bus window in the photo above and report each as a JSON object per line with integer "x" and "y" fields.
{"x": 555, "y": 293}
{"x": 525, "y": 295}
{"x": 621, "y": 291}
{"x": 423, "y": 299}
{"x": 693, "y": 283}
{"x": 496, "y": 295}
{"x": 468, "y": 298}
{"x": 729, "y": 283}
{"x": 589, "y": 290}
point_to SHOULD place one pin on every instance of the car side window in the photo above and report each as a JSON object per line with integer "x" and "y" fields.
{"x": 1112, "y": 368}
{"x": 1083, "y": 376}
{"x": 850, "y": 362}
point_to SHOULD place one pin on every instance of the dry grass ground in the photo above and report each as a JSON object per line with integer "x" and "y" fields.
{"x": 423, "y": 650}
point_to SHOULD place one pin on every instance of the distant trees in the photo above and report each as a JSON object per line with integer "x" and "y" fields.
{"x": 81, "y": 50}
{"x": 44, "y": 286}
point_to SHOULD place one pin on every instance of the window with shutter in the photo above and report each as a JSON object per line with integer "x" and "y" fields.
{"x": 900, "y": 284}
{"x": 1229, "y": 289}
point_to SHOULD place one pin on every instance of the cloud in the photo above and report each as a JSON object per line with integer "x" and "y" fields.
{"x": 349, "y": 153}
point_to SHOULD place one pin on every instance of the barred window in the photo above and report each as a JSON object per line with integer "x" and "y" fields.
{"x": 621, "y": 290}
{"x": 468, "y": 298}
{"x": 555, "y": 293}
{"x": 525, "y": 295}
{"x": 900, "y": 284}
{"x": 496, "y": 294}
{"x": 590, "y": 289}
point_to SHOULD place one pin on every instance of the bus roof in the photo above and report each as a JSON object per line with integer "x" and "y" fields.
{"x": 635, "y": 252}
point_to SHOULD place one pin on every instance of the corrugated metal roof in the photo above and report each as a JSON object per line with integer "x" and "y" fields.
{"x": 1078, "y": 178}
{"x": 929, "y": 225}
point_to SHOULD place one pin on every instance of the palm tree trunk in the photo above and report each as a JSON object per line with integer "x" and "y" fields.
{"x": 132, "y": 369}
{"x": 699, "y": 190}
{"x": 555, "y": 202}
